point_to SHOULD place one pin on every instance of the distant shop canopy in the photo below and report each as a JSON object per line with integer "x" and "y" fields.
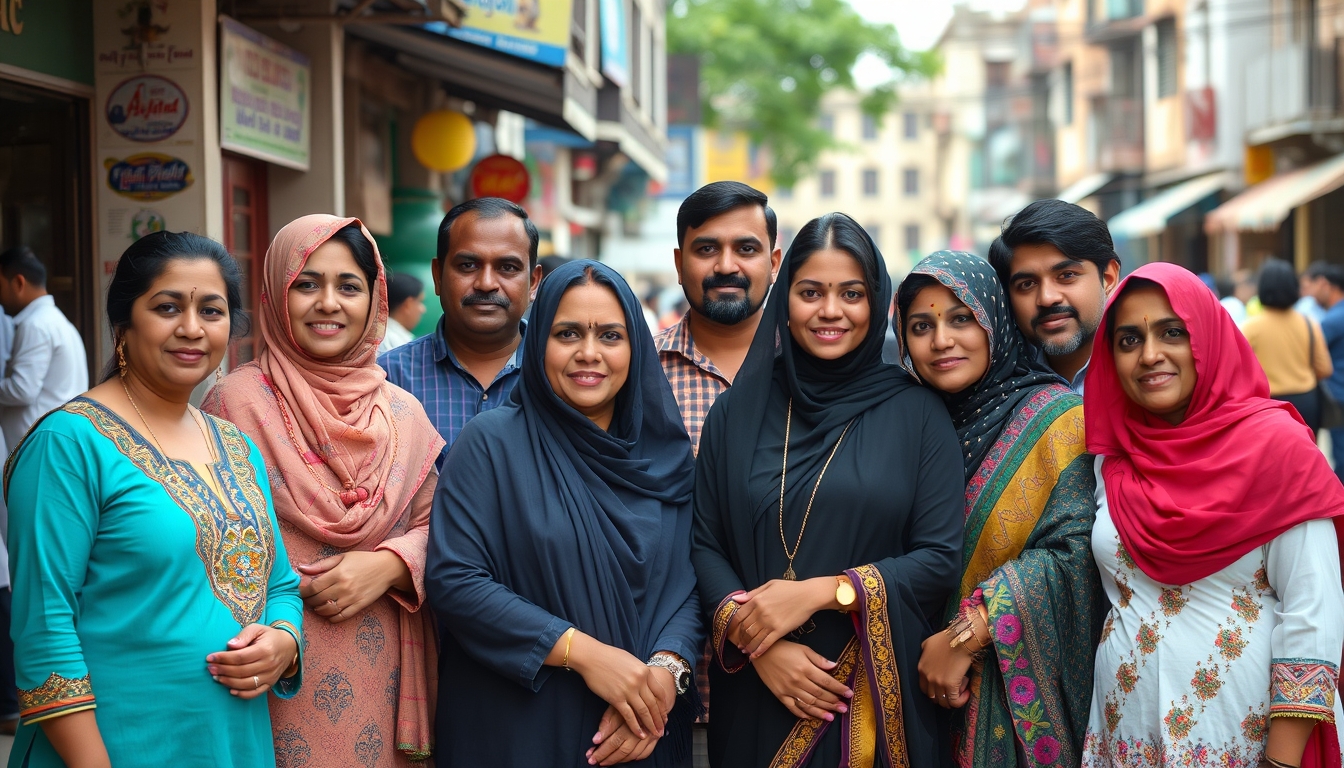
{"x": 1084, "y": 187}
{"x": 1265, "y": 206}
{"x": 1151, "y": 216}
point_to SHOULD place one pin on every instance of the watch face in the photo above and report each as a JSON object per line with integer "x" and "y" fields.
{"x": 683, "y": 682}
{"x": 844, "y": 593}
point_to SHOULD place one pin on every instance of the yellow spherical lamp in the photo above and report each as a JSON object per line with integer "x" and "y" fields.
{"x": 443, "y": 140}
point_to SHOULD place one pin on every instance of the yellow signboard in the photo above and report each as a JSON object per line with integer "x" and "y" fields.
{"x": 537, "y": 30}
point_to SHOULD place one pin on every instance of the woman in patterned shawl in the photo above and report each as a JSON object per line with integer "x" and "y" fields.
{"x": 1015, "y": 665}
{"x": 351, "y": 458}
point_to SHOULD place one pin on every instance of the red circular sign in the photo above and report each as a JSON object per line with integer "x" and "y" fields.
{"x": 500, "y": 176}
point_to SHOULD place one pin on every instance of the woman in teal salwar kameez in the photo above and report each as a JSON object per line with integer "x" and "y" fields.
{"x": 152, "y": 593}
{"x": 1029, "y": 604}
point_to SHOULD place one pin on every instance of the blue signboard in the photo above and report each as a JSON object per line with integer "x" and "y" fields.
{"x": 615, "y": 41}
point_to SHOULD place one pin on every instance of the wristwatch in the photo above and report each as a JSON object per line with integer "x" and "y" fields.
{"x": 844, "y": 592}
{"x": 681, "y": 671}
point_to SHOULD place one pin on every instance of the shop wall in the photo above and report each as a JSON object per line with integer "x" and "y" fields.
{"x": 156, "y": 125}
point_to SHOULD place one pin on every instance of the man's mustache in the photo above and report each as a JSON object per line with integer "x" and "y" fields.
{"x": 1053, "y": 313}
{"x": 477, "y": 299}
{"x": 726, "y": 281}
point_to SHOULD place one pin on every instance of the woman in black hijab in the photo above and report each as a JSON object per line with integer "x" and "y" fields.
{"x": 828, "y": 512}
{"x": 559, "y": 555}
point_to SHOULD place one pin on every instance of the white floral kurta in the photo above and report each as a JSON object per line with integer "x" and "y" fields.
{"x": 1188, "y": 675}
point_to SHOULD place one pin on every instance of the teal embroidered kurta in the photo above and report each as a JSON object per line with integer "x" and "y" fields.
{"x": 127, "y": 572}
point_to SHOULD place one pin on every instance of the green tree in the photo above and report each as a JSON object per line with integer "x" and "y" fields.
{"x": 765, "y": 65}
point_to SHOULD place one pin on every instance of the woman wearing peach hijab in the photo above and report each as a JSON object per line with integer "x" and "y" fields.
{"x": 351, "y": 460}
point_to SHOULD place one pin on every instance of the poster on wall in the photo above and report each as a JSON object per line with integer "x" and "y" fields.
{"x": 264, "y": 97}
{"x": 536, "y": 30}
{"x": 146, "y": 108}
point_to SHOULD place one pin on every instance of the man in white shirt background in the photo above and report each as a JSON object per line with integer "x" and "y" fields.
{"x": 47, "y": 365}
{"x": 405, "y": 307}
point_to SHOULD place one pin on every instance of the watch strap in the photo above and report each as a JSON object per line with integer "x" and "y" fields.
{"x": 681, "y": 671}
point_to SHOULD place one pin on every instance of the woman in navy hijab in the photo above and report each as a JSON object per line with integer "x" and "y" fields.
{"x": 559, "y": 557}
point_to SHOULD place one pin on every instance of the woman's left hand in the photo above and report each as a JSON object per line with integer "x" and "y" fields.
{"x": 776, "y": 608}
{"x": 616, "y": 743}
{"x": 257, "y": 657}
{"x": 943, "y": 672}
{"x": 339, "y": 587}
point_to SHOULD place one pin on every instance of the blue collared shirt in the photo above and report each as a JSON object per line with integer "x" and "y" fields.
{"x": 1078, "y": 378}
{"x": 1332, "y": 327}
{"x": 428, "y": 369}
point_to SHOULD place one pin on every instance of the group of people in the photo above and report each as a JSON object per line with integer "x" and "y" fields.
{"x": 1062, "y": 523}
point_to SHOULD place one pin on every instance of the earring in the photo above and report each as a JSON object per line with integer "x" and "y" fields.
{"x": 121, "y": 357}
{"x": 219, "y": 373}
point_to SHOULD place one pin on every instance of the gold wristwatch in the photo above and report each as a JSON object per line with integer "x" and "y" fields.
{"x": 844, "y": 592}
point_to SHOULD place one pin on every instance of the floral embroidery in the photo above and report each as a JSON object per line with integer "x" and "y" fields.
{"x": 1255, "y": 727}
{"x": 1008, "y": 629}
{"x": 1246, "y": 605}
{"x": 1172, "y": 600}
{"x": 1127, "y": 676}
{"x": 1206, "y": 682}
{"x": 334, "y": 694}
{"x": 369, "y": 638}
{"x": 1302, "y": 688}
{"x": 55, "y": 697}
{"x": 1126, "y": 592}
{"x": 1179, "y": 722}
{"x": 999, "y": 732}
{"x": 1022, "y": 690}
{"x": 369, "y": 745}
{"x": 1123, "y": 556}
{"x": 1112, "y": 714}
{"x": 1262, "y": 580}
{"x": 291, "y": 749}
{"x": 1147, "y": 638}
{"x": 1109, "y": 627}
{"x": 1230, "y": 644}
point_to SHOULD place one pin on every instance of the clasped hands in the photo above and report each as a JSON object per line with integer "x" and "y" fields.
{"x": 337, "y": 588}
{"x": 640, "y": 697}
{"x": 256, "y": 658}
{"x": 798, "y": 676}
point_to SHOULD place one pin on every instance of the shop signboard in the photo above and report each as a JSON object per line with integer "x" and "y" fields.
{"x": 146, "y": 108}
{"x": 52, "y": 37}
{"x": 500, "y": 176}
{"x": 265, "y": 105}
{"x": 536, "y": 30}
{"x": 615, "y": 41}
{"x": 148, "y": 176}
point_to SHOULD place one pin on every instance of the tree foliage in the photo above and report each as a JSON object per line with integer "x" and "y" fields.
{"x": 765, "y": 65}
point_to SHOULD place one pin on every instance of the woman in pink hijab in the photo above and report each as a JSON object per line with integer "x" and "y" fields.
{"x": 351, "y": 460}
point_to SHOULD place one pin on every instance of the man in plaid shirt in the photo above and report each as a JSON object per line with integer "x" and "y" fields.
{"x": 726, "y": 262}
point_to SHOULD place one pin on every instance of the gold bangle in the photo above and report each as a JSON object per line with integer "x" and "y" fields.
{"x": 569, "y": 640}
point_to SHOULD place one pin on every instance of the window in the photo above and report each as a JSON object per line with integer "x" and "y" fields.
{"x": 870, "y": 126}
{"x": 1166, "y": 58}
{"x": 1066, "y": 86}
{"x": 911, "y": 182}
{"x": 828, "y": 183}
{"x": 827, "y": 122}
{"x": 875, "y": 232}
{"x": 1124, "y": 72}
{"x": 870, "y": 182}
{"x": 912, "y": 238}
{"x": 911, "y": 127}
{"x": 996, "y": 74}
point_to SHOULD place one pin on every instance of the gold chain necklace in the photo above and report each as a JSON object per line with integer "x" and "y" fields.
{"x": 789, "y": 575}
{"x": 209, "y": 445}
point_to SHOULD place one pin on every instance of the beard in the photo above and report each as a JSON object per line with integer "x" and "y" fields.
{"x": 727, "y": 311}
{"x": 1057, "y": 347}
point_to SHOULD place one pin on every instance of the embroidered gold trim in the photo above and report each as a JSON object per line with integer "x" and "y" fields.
{"x": 57, "y": 696}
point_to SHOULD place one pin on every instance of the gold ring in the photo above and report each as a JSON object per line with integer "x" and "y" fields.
{"x": 256, "y": 682}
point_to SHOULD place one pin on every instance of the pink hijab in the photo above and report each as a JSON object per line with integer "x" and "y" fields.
{"x": 351, "y": 451}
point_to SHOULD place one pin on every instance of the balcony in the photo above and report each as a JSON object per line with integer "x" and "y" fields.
{"x": 1115, "y": 131}
{"x": 1109, "y": 20}
{"x": 1292, "y": 91}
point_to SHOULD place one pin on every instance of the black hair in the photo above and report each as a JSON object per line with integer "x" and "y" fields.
{"x": 905, "y": 294}
{"x": 362, "y": 249}
{"x": 20, "y": 260}
{"x": 490, "y": 208}
{"x": 145, "y": 261}
{"x": 551, "y": 263}
{"x": 1278, "y": 284}
{"x": 718, "y": 198}
{"x": 400, "y": 287}
{"x": 836, "y": 230}
{"x": 1074, "y": 230}
{"x": 1131, "y": 285}
{"x": 1333, "y": 273}
{"x": 1225, "y": 286}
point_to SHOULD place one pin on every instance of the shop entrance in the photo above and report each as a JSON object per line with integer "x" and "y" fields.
{"x": 246, "y": 235}
{"x": 45, "y": 195}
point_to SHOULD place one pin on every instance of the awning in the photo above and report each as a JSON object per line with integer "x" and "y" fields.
{"x": 1084, "y": 187}
{"x": 1263, "y": 208}
{"x": 1150, "y": 217}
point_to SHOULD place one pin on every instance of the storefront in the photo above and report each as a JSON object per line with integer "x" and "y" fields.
{"x": 46, "y": 95}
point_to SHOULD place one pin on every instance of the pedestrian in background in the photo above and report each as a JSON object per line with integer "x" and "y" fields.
{"x": 817, "y": 627}
{"x": 1016, "y": 660}
{"x": 559, "y": 564}
{"x": 1327, "y": 289}
{"x": 1057, "y": 263}
{"x": 352, "y": 463}
{"x": 1217, "y": 535}
{"x": 1290, "y": 347}
{"x": 405, "y": 307}
{"x": 47, "y": 365}
{"x": 485, "y": 275}
{"x": 142, "y": 539}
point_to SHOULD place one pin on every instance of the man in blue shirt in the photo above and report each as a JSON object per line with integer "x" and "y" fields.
{"x": 485, "y": 275}
{"x": 1325, "y": 283}
{"x": 1057, "y": 264}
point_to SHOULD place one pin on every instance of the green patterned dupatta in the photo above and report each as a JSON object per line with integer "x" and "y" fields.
{"x": 1030, "y": 508}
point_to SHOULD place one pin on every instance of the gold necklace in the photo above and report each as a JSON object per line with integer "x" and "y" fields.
{"x": 789, "y": 575}
{"x": 350, "y": 487}
{"x": 209, "y": 445}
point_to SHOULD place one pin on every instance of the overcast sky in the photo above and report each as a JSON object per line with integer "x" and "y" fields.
{"x": 919, "y": 23}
